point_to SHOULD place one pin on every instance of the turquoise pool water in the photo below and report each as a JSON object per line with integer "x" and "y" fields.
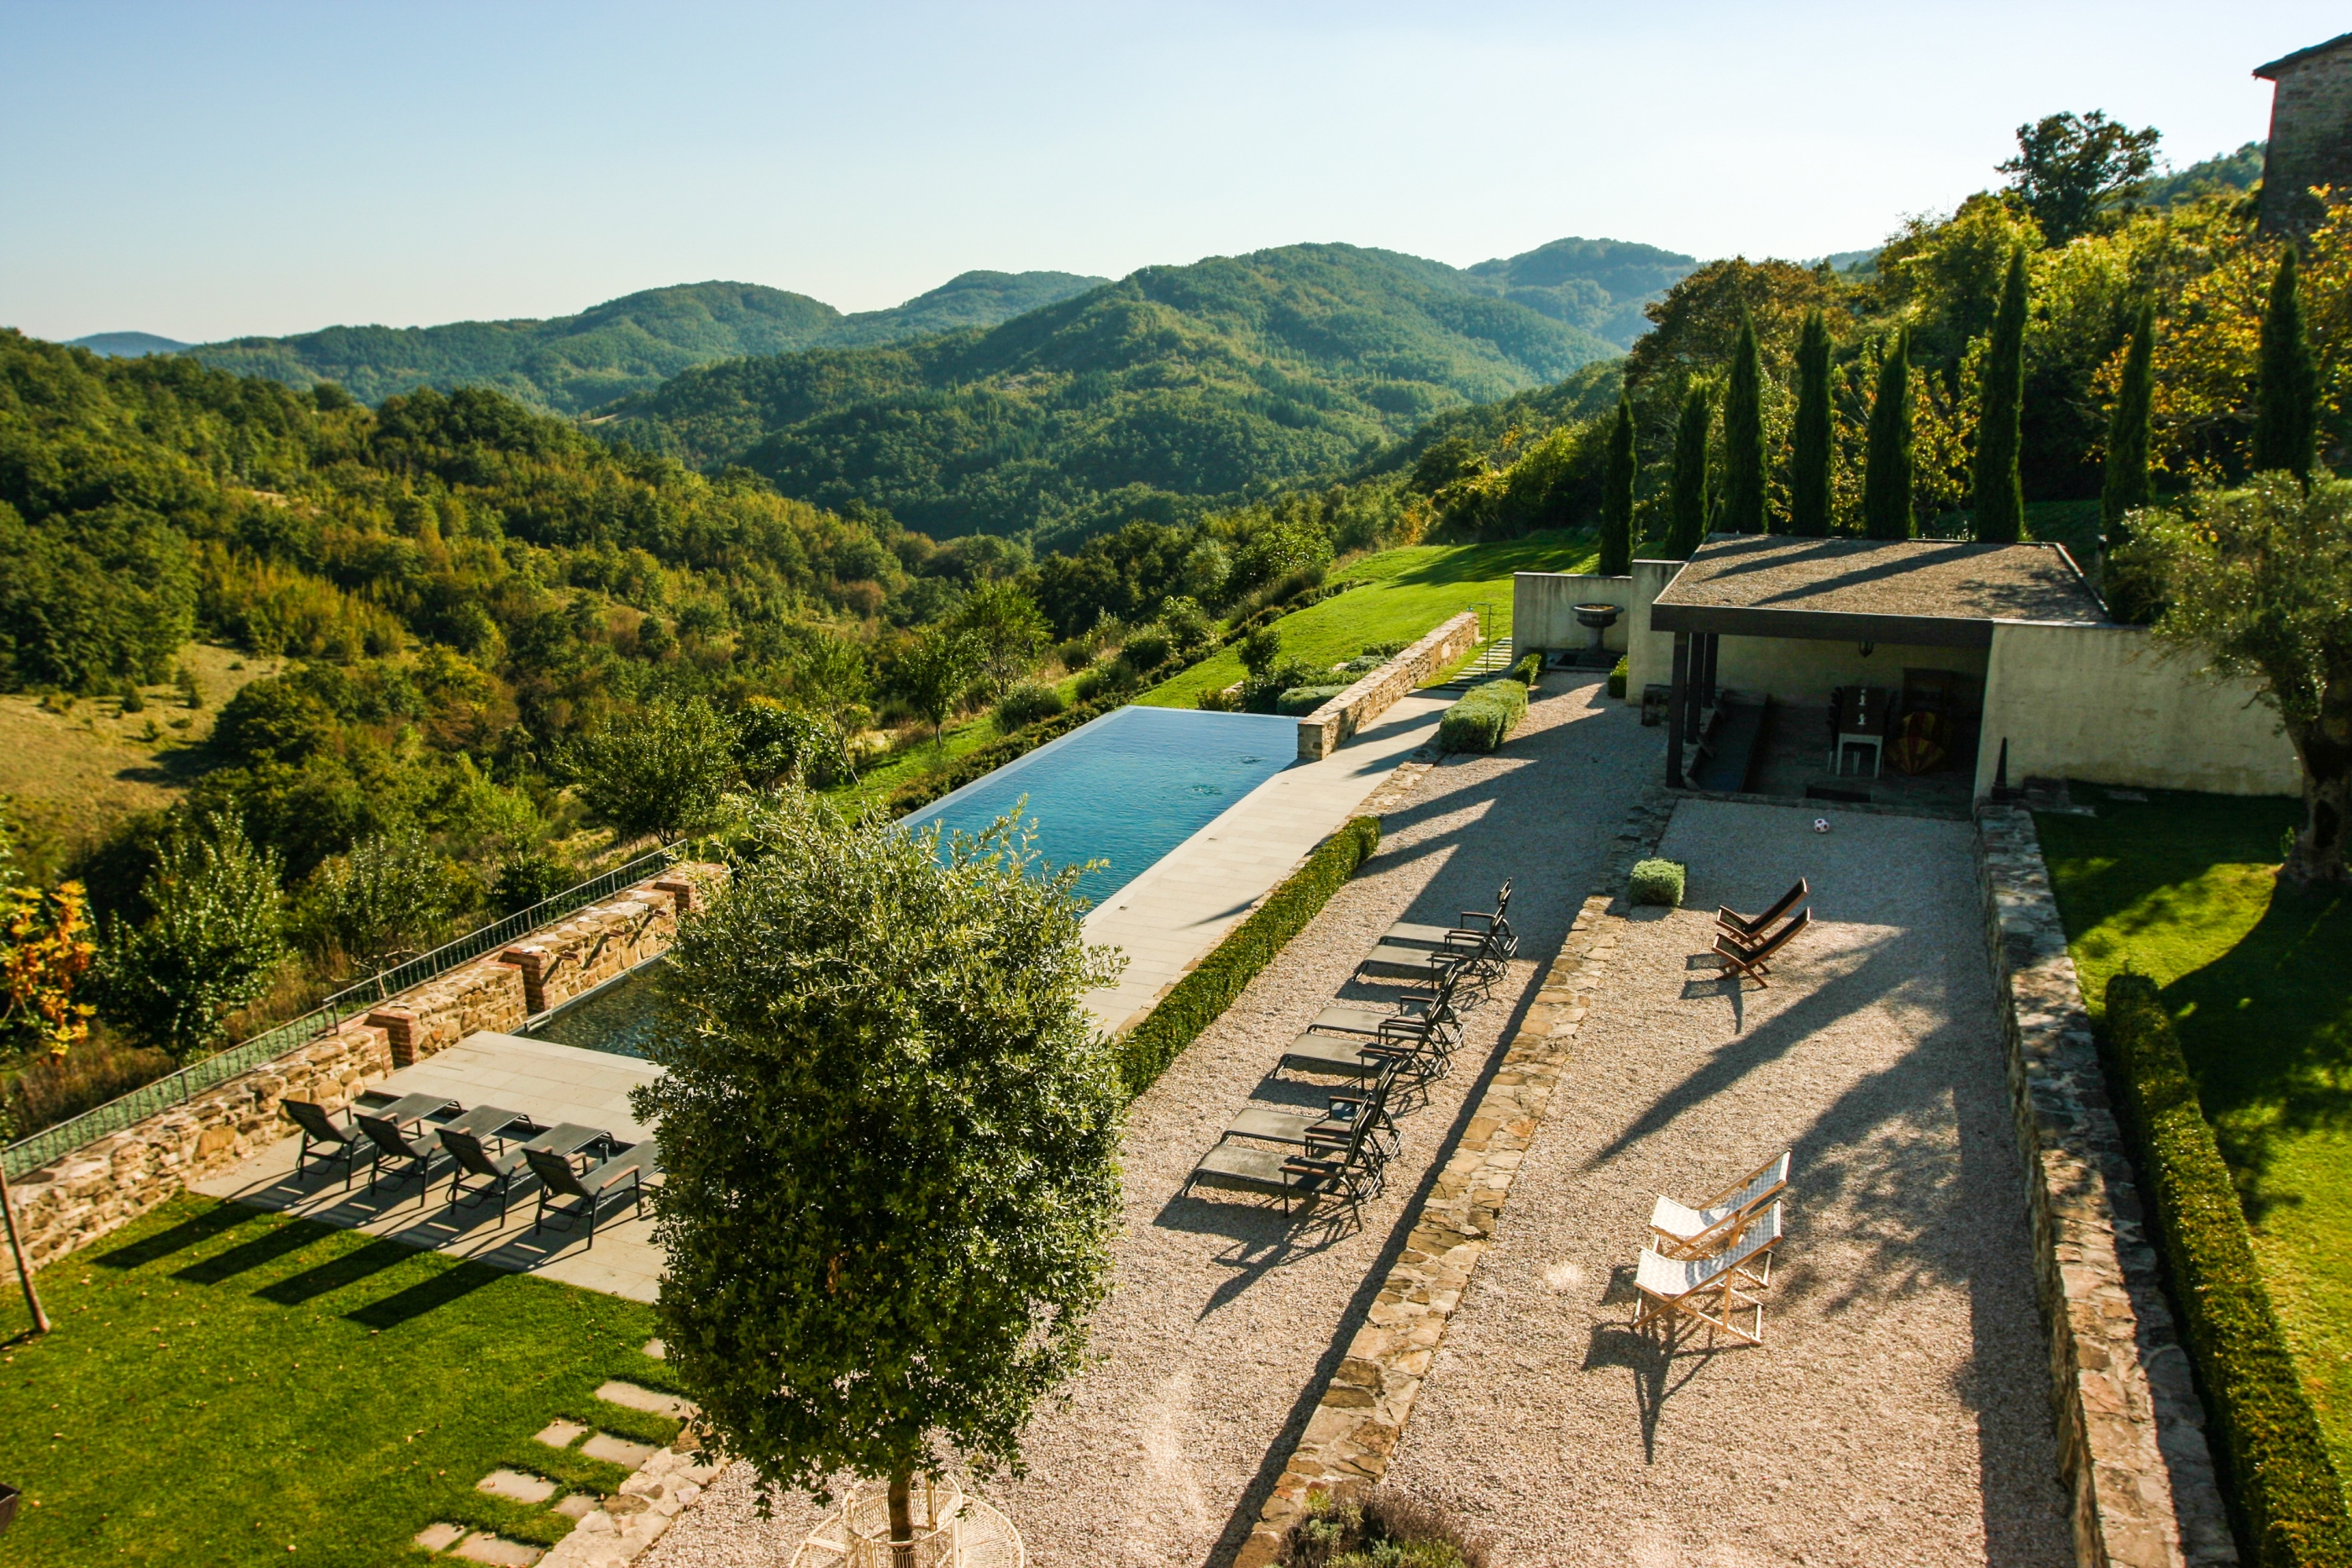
{"x": 1127, "y": 787}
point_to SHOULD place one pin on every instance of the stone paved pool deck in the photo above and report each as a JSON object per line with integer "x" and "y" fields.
{"x": 1167, "y": 918}
{"x": 553, "y": 1084}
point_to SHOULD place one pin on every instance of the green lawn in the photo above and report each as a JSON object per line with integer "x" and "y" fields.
{"x": 2259, "y": 977}
{"x": 1407, "y": 592}
{"x": 228, "y": 1386}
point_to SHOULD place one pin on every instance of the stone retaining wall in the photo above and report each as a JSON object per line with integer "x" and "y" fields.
{"x": 1357, "y": 1424}
{"x": 2131, "y": 1430}
{"x": 74, "y": 1200}
{"x": 1320, "y": 732}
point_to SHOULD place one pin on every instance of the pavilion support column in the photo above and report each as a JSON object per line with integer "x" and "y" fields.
{"x": 1677, "y": 705}
{"x": 1711, "y": 641}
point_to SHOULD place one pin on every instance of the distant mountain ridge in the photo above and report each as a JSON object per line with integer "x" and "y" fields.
{"x": 569, "y": 364}
{"x": 1175, "y": 389}
{"x": 129, "y": 345}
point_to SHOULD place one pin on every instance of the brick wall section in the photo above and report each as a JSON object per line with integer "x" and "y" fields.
{"x": 1356, "y": 1426}
{"x": 1320, "y": 732}
{"x": 73, "y": 1201}
{"x": 2131, "y": 1430}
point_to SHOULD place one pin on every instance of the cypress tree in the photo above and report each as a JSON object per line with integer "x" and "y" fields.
{"x": 2128, "y": 484}
{"x": 2286, "y": 386}
{"x": 1809, "y": 467}
{"x": 1886, "y": 462}
{"x": 1617, "y": 496}
{"x": 1689, "y": 491}
{"x": 1743, "y": 435}
{"x": 1999, "y": 495}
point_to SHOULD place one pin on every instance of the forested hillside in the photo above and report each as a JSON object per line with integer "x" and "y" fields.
{"x": 570, "y": 363}
{"x": 1160, "y": 396}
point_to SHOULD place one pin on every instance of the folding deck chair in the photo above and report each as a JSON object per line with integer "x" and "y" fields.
{"x": 1718, "y": 1221}
{"x": 1748, "y": 962}
{"x": 1707, "y": 1290}
{"x": 1747, "y": 929}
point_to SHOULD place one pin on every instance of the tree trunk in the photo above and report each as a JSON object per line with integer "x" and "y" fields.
{"x": 24, "y": 1270}
{"x": 902, "y": 1516}
{"x": 2326, "y": 749}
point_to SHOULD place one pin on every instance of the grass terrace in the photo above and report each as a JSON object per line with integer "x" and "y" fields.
{"x": 1405, "y": 592}
{"x": 229, "y": 1386}
{"x": 2182, "y": 887}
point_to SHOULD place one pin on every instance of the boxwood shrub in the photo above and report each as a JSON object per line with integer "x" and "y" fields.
{"x": 1201, "y": 998}
{"x": 1618, "y": 674}
{"x": 1657, "y": 881}
{"x": 2266, "y": 1437}
{"x": 1526, "y": 671}
{"x": 1484, "y": 716}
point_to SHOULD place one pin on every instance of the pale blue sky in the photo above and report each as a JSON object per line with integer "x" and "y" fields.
{"x": 204, "y": 170}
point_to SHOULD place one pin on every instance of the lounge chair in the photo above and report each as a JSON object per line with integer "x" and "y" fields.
{"x": 1429, "y": 1010}
{"x": 343, "y": 1144}
{"x": 1402, "y": 1048}
{"x": 1718, "y": 1221}
{"x": 1334, "y": 1129}
{"x": 407, "y": 1158}
{"x": 1750, "y": 930}
{"x": 1352, "y": 1173}
{"x": 1749, "y": 962}
{"x": 1707, "y": 1290}
{"x": 560, "y": 1185}
{"x": 1473, "y": 927}
{"x": 468, "y": 1158}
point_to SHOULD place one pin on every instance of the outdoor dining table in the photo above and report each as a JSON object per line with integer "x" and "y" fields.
{"x": 1862, "y": 721}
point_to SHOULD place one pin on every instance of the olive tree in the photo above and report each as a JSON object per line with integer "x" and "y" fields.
{"x": 2259, "y": 582}
{"x": 890, "y": 1135}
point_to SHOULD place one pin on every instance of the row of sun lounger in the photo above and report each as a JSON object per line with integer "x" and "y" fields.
{"x": 1701, "y": 1260}
{"x": 1382, "y": 1052}
{"x": 403, "y": 1139}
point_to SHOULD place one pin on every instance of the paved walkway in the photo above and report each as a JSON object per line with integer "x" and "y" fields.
{"x": 1226, "y": 1321}
{"x": 1167, "y": 918}
{"x": 1899, "y": 1409}
{"x": 551, "y": 1082}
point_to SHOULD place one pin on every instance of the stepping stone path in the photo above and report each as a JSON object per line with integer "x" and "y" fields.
{"x": 608, "y": 1533}
{"x": 516, "y": 1485}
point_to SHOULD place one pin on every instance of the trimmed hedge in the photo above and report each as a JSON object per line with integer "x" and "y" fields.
{"x": 1619, "y": 673}
{"x": 1201, "y": 998}
{"x": 1483, "y": 717}
{"x": 1526, "y": 671}
{"x": 1299, "y": 701}
{"x": 2266, "y": 1435}
{"x": 1657, "y": 881}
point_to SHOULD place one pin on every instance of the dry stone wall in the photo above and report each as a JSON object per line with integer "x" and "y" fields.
{"x": 2131, "y": 1430}
{"x": 1320, "y": 732}
{"x": 72, "y": 1201}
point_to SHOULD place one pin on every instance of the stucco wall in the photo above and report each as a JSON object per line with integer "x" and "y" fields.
{"x": 1800, "y": 670}
{"x": 2106, "y": 704}
{"x": 1542, "y": 613}
{"x": 1543, "y": 616}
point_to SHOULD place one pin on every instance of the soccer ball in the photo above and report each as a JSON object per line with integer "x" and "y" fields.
{"x": 1821, "y": 824}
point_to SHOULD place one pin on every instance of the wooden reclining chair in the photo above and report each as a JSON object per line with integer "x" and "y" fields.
{"x": 1719, "y": 1221}
{"x": 1749, "y": 928}
{"x": 1749, "y": 962}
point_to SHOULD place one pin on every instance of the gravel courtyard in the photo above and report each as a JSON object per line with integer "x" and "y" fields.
{"x": 1898, "y": 1411}
{"x": 1225, "y": 1322}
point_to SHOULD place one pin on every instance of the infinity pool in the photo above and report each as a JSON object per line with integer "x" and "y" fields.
{"x": 1125, "y": 788}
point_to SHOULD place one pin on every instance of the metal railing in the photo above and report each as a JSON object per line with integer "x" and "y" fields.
{"x": 179, "y": 1087}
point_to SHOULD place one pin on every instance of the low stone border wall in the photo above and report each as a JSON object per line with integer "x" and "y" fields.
{"x": 72, "y": 1201}
{"x": 2131, "y": 1430}
{"x": 1360, "y": 1418}
{"x": 1320, "y": 732}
